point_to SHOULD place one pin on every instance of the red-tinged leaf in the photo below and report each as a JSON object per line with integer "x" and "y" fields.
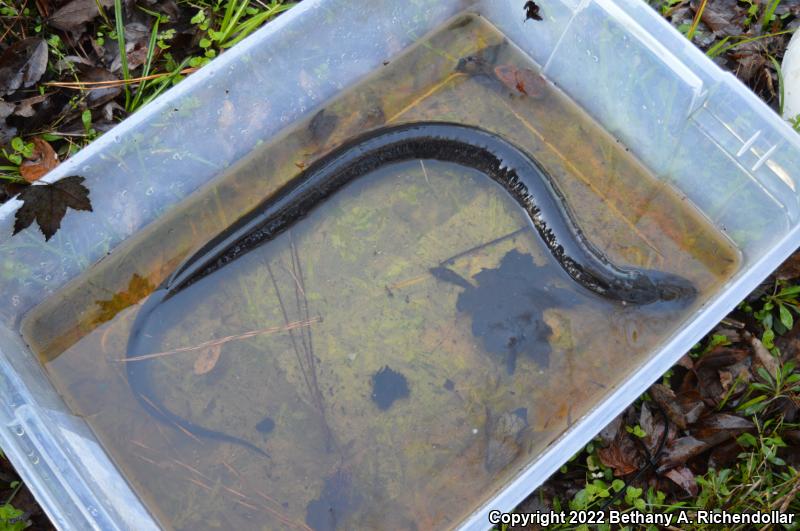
{"x": 684, "y": 478}
{"x": 680, "y": 451}
{"x": 48, "y": 203}
{"x": 521, "y": 80}
{"x": 622, "y": 455}
{"x": 42, "y": 160}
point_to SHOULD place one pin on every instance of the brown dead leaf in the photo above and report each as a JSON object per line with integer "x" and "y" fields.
{"x": 692, "y": 405}
{"x": 42, "y": 160}
{"x": 721, "y": 357}
{"x": 22, "y": 64}
{"x": 98, "y": 97}
{"x": 763, "y": 357}
{"x": 654, "y": 428}
{"x": 686, "y": 362}
{"x": 679, "y": 452}
{"x": 718, "y": 428}
{"x": 724, "y": 455}
{"x": 665, "y": 397}
{"x": 138, "y": 288}
{"x": 739, "y": 373}
{"x": 684, "y": 478}
{"x": 622, "y": 455}
{"x": 75, "y": 14}
{"x": 608, "y": 433}
{"x": 207, "y": 359}
{"x": 790, "y": 268}
{"x": 722, "y": 17}
{"x": 522, "y": 80}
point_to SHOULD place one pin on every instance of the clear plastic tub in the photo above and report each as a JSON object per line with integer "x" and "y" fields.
{"x": 692, "y": 125}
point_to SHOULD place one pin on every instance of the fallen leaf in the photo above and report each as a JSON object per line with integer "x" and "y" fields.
{"x": 763, "y": 356}
{"x": 686, "y": 362}
{"x": 790, "y": 268}
{"x": 207, "y": 359}
{"x": 665, "y": 397}
{"x": 684, "y": 478}
{"x": 22, "y": 64}
{"x": 7, "y": 132}
{"x": 740, "y": 373}
{"x": 137, "y": 37}
{"x": 721, "y": 18}
{"x": 692, "y": 405}
{"x": 98, "y": 96}
{"x": 523, "y": 80}
{"x": 718, "y": 428}
{"x": 621, "y": 455}
{"x": 749, "y": 65}
{"x": 47, "y": 204}
{"x": 654, "y": 430}
{"x": 138, "y": 288}
{"x": 724, "y": 455}
{"x": 75, "y": 14}
{"x": 679, "y": 452}
{"x": 608, "y": 433}
{"x": 721, "y": 357}
{"x": 42, "y": 160}
{"x": 24, "y": 108}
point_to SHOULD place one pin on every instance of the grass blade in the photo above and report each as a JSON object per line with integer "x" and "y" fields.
{"x": 151, "y": 48}
{"x": 778, "y": 70}
{"x": 696, "y": 20}
{"x": 123, "y": 55}
{"x": 769, "y": 13}
{"x": 751, "y": 39}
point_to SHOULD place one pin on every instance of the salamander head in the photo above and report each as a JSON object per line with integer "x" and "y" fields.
{"x": 649, "y": 286}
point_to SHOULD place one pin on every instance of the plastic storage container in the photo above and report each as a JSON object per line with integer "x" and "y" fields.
{"x": 692, "y": 125}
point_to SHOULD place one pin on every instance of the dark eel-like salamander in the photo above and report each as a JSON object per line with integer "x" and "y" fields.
{"x": 521, "y": 176}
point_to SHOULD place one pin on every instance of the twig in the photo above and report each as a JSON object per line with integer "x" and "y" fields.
{"x": 215, "y": 342}
{"x": 100, "y": 85}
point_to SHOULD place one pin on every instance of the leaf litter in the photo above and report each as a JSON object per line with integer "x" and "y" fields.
{"x": 47, "y": 204}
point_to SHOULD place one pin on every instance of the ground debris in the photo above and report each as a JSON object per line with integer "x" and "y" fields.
{"x": 47, "y": 204}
